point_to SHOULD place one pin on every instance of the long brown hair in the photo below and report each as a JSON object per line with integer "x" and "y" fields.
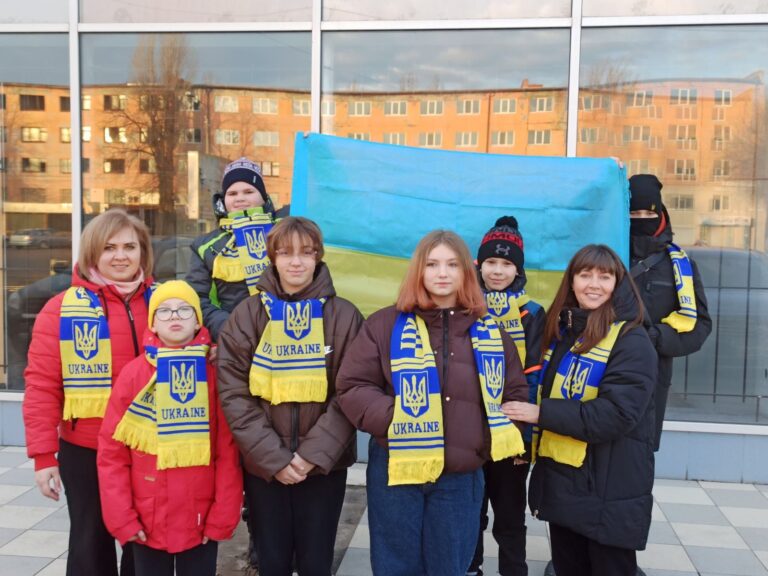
{"x": 604, "y": 259}
{"x": 412, "y": 292}
{"x": 97, "y": 233}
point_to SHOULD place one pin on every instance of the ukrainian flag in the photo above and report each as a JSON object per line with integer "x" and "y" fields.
{"x": 374, "y": 202}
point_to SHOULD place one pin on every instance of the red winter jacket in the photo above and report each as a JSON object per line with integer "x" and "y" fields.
{"x": 44, "y": 391}
{"x": 178, "y": 506}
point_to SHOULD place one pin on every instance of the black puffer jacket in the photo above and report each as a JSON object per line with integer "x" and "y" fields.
{"x": 608, "y": 499}
{"x": 657, "y": 289}
{"x": 217, "y": 298}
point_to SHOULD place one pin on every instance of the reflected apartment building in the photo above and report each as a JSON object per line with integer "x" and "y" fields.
{"x": 157, "y": 151}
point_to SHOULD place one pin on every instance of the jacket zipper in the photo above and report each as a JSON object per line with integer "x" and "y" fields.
{"x": 133, "y": 328}
{"x": 294, "y": 427}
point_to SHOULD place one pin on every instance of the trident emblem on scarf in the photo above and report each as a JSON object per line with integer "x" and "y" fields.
{"x": 257, "y": 244}
{"x": 183, "y": 381}
{"x": 577, "y": 378}
{"x": 498, "y": 302}
{"x": 298, "y": 319}
{"x": 678, "y": 274}
{"x": 494, "y": 375}
{"x": 86, "y": 337}
{"x": 414, "y": 394}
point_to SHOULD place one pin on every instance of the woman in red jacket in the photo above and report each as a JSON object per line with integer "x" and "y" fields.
{"x": 81, "y": 341}
{"x": 168, "y": 468}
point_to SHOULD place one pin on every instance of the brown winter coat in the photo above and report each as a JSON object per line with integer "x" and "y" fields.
{"x": 366, "y": 394}
{"x": 267, "y": 434}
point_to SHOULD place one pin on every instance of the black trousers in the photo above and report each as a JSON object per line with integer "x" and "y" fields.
{"x": 91, "y": 546}
{"x": 197, "y": 561}
{"x": 577, "y": 555}
{"x": 299, "y": 520}
{"x": 505, "y": 489}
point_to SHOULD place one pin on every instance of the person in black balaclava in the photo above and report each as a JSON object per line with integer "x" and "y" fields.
{"x": 676, "y": 308}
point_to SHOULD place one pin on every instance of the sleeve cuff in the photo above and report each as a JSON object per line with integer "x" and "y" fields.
{"x": 45, "y": 461}
{"x": 218, "y": 534}
{"x": 127, "y": 532}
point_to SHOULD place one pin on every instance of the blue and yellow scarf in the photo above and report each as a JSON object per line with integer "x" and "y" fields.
{"x": 578, "y": 378}
{"x": 289, "y": 362}
{"x": 244, "y": 256}
{"x": 170, "y": 416}
{"x": 86, "y": 354}
{"x": 684, "y": 319}
{"x": 505, "y": 307}
{"x": 415, "y": 436}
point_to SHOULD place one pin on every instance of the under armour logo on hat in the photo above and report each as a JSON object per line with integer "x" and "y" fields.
{"x": 501, "y": 249}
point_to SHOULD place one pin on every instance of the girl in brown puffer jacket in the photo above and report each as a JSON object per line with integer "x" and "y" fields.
{"x": 426, "y": 378}
{"x": 279, "y": 353}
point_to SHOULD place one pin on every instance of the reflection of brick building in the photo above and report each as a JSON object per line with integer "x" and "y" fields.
{"x": 702, "y": 137}
{"x": 528, "y": 121}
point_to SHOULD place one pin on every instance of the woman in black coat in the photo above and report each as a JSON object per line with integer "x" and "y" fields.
{"x": 593, "y": 475}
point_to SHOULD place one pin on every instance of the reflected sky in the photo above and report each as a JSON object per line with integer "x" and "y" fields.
{"x": 34, "y": 11}
{"x": 266, "y": 60}
{"x": 195, "y": 10}
{"x": 668, "y": 52}
{"x": 438, "y": 60}
{"x": 34, "y": 58}
{"x": 663, "y": 7}
{"x": 442, "y": 9}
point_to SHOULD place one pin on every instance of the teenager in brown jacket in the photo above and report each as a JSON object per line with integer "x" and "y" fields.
{"x": 425, "y": 378}
{"x": 279, "y": 353}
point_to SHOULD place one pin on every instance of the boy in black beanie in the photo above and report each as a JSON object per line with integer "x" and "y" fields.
{"x": 227, "y": 262}
{"x": 500, "y": 262}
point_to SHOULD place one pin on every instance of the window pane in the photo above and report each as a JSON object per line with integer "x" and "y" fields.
{"x": 416, "y": 88}
{"x": 664, "y": 7}
{"x": 688, "y": 105}
{"x": 35, "y": 11}
{"x": 169, "y": 111}
{"x": 195, "y": 11}
{"x": 35, "y": 166}
{"x": 442, "y": 9}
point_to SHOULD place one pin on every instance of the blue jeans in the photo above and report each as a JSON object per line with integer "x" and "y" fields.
{"x": 422, "y": 529}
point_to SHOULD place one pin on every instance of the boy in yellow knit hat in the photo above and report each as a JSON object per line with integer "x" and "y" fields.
{"x": 169, "y": 475}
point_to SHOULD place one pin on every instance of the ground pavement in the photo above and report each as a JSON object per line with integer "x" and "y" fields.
{"x": 706, "y": 528}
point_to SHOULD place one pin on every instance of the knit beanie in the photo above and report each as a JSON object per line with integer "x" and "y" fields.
{"x": 243, "y": 170}
{"x": 503, "y": 241}
{"x": 645, "y": 192}
{"x": 174, "y": 289}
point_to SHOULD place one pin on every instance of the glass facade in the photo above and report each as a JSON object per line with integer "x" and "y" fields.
{"x": 170, "y": 91}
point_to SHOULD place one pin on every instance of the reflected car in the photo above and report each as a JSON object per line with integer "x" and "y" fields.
{"x": 40, "y": 238}
{"x": 172, "y": 257}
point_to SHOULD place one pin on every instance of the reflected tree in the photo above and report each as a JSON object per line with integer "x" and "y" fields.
{"x": 155, "y": 120}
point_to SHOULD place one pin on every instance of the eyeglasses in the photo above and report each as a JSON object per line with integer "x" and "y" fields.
{"x": 182, "y": 313}
{"x": 303, "y": 254}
